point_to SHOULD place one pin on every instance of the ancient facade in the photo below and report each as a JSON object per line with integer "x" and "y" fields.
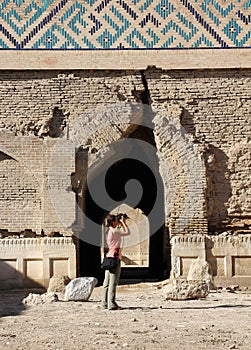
{"x": 90, "y": 86}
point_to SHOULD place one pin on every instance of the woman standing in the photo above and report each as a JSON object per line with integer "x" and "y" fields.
{"x": 116, "y": 228}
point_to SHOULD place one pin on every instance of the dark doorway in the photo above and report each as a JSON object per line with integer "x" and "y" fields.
{"x": 116, "y": 178}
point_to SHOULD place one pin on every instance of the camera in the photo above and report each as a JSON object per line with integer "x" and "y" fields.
{"x": 121, "y": 215}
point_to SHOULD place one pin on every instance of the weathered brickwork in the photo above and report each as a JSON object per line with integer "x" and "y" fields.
{"x": 38, "y": 102}
{"x": 20, "y": 197}
{"x": 34, "y": 110}
{"x": 21, "y": 182}
{"x": 201, "y": 127}
{"x": 184, "y": 176}
{"x": 42, "y": 103}
{"x": 214, "y": 108}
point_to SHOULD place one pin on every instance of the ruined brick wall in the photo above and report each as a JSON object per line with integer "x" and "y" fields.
{"x": 213, "y": 107}
{"x": 41, "y": 102}
{"x": 20, "y": 182}
{"x": 20, "y": 199}
{"x": 35, "y": 108}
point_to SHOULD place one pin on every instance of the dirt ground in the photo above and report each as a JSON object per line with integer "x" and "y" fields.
{"x": 221, "y": 321}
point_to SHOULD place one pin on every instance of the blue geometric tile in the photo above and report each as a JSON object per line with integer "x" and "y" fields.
{"x": 123, "y": 24}
{"x": 164, "y": 8}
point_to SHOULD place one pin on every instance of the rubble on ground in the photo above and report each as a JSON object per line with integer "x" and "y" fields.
{"x": 57, "y": 285}
{"x": 80, "y": 289}
{"x": 36, "y": 299}
{"x": 197, "y": 284}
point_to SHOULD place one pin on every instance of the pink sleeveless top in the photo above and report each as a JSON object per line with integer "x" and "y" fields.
{"x": 114, "y": 243}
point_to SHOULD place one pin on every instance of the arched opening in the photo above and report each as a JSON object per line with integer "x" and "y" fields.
{"x": 152, "y": 200}
{"x": 136, "y": 245}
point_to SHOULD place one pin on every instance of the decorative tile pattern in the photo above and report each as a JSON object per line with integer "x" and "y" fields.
{"x": 124, "y": 24}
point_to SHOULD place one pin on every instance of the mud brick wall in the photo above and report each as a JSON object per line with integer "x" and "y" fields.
{"x": 20, "y": 182}
{"x": 35, "y": 107}
{"x": 41, "y": 102}
{"x": 213, "y": 107}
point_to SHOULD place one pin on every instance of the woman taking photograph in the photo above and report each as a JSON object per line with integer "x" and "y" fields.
{"x": 116, "y": 228}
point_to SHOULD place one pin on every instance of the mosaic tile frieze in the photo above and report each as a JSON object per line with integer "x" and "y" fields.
{"x": 124, "y": 24}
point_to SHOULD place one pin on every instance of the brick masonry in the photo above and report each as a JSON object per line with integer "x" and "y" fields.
{"x": 206, "y": 145}
{"x": 34, "y": 109}
{"x": 214, "y": 108}
{"x": 40, "y": 104}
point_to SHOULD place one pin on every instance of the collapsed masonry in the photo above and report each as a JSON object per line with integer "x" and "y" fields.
{"x": 196, "y": 121}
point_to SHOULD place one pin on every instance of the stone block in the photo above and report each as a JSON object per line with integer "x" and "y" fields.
{"x": 80, "y": 289}
{"x": 184, "y": 290}
{"x": 57, "y": 285}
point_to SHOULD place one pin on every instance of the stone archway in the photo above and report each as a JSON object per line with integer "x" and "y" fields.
{"x": 118, "y": 175}
{"x": 179, "y": 166}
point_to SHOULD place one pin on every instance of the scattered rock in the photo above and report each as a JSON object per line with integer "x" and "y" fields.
{"x": 57, "y": 285}
{"x": 228, "y": 289}
{"x": 183, "y": 290}
{"x": 80, "y": 289}
{"x": 36, "y": 299}
{"x": 235, "y": 287}
{"x": 200, "y": 271}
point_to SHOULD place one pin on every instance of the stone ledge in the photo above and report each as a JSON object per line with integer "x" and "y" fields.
{"x": 56, "y": 242}
{"x": 126, "y": 59}
{"x": 228, "y": 256}
{"x": 31, "y": 262}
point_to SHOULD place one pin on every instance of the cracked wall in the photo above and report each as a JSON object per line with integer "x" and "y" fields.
{"x": 35, "y": 108}
{"x": 211, "y": 106}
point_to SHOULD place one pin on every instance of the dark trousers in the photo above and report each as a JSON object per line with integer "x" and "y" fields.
{"x": 109, "y": 287}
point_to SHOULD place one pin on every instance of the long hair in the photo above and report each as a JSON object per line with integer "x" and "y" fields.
{"x": 110, "y": 219}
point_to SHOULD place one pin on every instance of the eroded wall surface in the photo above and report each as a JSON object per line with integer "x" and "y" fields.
{"x": 36, "y": 107}
{"x": 202, "y": 132}
{"x": 213, "y": 107}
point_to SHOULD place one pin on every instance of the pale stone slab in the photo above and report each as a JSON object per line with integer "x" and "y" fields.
{"x": 127, "y": 59}
{"x": 183, "y": 290}
{"x": 200, "y": 271}
{"x": 80, "y": 289}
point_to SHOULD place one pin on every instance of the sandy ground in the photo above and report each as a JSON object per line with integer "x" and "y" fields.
{"x": 221, "y": 321}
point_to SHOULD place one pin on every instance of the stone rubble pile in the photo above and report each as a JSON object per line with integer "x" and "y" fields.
{"x": 184, "y": 290}
{"x": 61, "y": 288}
{"x": 197, "y": 284}
{"x": 36, "y": 299}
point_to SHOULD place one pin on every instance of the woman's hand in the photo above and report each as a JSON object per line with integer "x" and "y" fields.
{"x": 122, "y": 220}
{"x": 126, "y": 230}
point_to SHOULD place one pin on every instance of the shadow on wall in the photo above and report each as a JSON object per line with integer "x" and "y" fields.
{"x": 211, "y": 259}
{"x": 11, "y": 294}
{"x": 218, "y": 184}
{"x": 186, "y": 120}
{"x": 218, "y": 188}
